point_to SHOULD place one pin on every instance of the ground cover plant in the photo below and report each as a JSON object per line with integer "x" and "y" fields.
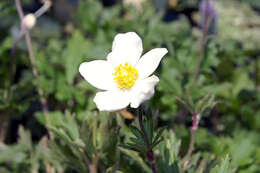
{"x": 198, "y": 113}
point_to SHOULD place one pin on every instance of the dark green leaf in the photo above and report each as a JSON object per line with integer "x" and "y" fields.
{"x": 158, "y": 135}
{"x": 138, "y": 134}
{"x": 148, "y": 125}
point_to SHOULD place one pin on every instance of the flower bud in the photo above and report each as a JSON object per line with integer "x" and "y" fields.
{"x": 29, "y": 21}
{"x": 209, "y": 15}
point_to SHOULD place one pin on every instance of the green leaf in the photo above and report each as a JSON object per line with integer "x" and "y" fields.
{"x": 135, "y": 157}
{"x": 241, "y": 81}
{"x": 79, "y": 142}
{"x": 224, "y": 166}
{"x": 60, "y": 133}
{"x": 14, "y": 154}
{"x": 74, "y": 55}
{"x": 71, "y": 126}
{"x": 148, "y": 125}
{"x": 157, "y": 142}
{"x": 6, "y": 44}
{"x": 241, "y": 150}
{"x": 138, "y": 134}
{"x": 138, "y": 141}
{"x": 25, "y": 138}
{"x": 205, "y": 103}
{"x": 87, "y": 15}
{"x": 158, "y": 136}
{"x": 130, "y": 147}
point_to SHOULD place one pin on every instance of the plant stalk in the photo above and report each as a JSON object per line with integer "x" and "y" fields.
{"x": 32, "y": 58}
{"x": 149, "y": 154}
{"x": 202, "y": 43}
{"x": 92, "y": 167}
{"x": 195, "y": 123}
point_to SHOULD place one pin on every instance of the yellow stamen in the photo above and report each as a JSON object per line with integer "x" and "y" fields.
{"x": 125, "y": 76}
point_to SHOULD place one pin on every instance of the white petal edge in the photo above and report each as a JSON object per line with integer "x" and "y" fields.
{"x": 143, "y": 90}
{"x": 127, "y": 47}
{"x": 98, "y": 73}
{"x": 150, "y": 61}
{"x": 111, "y": 100}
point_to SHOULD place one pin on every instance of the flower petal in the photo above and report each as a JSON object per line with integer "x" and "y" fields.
{"x": 98, "y": 73}
{"x": 143, "y": 90}
{"x": 112, "y": 100}
{"x": 127, "y": 47}
{"x": 150, "y": 61}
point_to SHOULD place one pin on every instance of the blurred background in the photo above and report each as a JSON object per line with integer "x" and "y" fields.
{"x": 214, "y": 49}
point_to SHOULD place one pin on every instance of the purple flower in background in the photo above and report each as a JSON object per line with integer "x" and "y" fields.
{"x": 209, "y": 16}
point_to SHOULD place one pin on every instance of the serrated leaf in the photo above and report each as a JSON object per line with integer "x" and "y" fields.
{"x": 70, "y": 126}
{"x": 224, "y": 166}
{"x": 138, "y": 134}
{"x": 74, "y": 55}
{"x": 207, "y": 103}
{"x": 13, "y": 154}
{"x": 60, "y": 133}
{"x": 158, "y": 135}
{"x": 25, "y": 138}
{"x": 201, "y": 102}
{"x": 138, "y": 141}
{"x": 157, "y": 142}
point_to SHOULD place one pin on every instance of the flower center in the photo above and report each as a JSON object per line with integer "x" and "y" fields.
{"x": 125, "y": 75}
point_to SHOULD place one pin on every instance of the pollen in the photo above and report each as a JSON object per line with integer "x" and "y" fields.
{"x": 125, "y": 76}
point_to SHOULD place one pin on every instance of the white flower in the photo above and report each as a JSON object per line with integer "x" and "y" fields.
{"x": 29, "y": 21}
{"x": 125, "y": 77}
{"x": 135, "y": 3}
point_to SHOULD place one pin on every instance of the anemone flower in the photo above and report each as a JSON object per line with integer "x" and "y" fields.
{"x": 125, "y": 77}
